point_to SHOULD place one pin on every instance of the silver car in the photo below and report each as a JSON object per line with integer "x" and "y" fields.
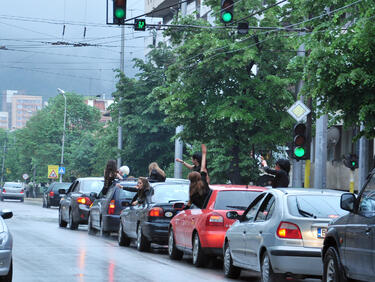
{"x": 12, "y": 190}
{"x": 281, "y": 233}
{"x": 6, "y": 246}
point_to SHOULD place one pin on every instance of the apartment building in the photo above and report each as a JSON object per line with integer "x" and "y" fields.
{"x": 23, "y": 107}
{"x": 4, "y": 120}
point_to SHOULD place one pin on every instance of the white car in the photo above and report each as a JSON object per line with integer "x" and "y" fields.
{"x": 6, "y": 246}
{"x": 12, "y": 190}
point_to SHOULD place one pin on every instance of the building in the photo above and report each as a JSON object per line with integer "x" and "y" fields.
{"x": 4, "y": 120}
{"x": 102, "y": 105}
{"x": 23, "y": 107}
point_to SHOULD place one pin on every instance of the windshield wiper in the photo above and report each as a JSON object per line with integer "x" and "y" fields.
{"x": 237, "y": 207}
{"x": 302, "y": 212}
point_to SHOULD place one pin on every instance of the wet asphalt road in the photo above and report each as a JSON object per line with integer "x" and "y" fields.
{"x": 43, "y": 251}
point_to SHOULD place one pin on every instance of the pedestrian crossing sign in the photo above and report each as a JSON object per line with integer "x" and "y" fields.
{"x": 53, "y": 171}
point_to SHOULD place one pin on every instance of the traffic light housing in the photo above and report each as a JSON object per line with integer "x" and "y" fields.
{"x": 300, "y": 144}
{"x": 351, "y": 161}
{"x": 226, "y": 11}
{"x": 119, "y": 11}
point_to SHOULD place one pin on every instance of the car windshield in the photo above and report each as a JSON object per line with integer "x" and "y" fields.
{"x": 315, "y": 206}
{"x": 367, "y": 202}
{"x": 58, "y": 186}
{"x": 13, "y": 185}
{"x": 234, "y": 200}
{"x": 92, "y": 185}
{"x": 170, "y": 193}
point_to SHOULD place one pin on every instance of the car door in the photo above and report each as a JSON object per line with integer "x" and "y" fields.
{"x": 65, "y": 203}
{"x": 360, "y": 233}
{"x": 178, "y": 228}
{"x": 257, "y": 229}
{"x": 191, "y": 217}
{"x": 76, "y": 192}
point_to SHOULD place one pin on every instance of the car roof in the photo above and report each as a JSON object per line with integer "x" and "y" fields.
{"x": 234, "y": 187}
{"x": 90, "y": 178}
{"x": 153, "y": 184}
{"x": 12, "y": 182}
{"x": 309, "y": 191}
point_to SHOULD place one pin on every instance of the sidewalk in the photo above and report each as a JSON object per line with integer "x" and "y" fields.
{"x": 34, "y": 201}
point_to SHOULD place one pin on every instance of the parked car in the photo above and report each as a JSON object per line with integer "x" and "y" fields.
{"x": 12, "y": 190}
{"x": 75, "y": 204}
{"x": 149, "y": 223}
{"x": 105, "y": 211}
{"x": 201, "y": 232}
{"x": 51, "y": 196}
{"x": 281, "y": 233}
{"x": 349, "y": 246}
{"x": 6, "y": 246}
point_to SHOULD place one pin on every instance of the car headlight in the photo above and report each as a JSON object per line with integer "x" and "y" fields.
{"x": 3, "y": 239}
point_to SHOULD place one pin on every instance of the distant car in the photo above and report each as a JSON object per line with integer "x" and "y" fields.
{"x": 281, "y": 233}
{"x": 12, "y": 190}
{"x": 201, "y": 232}
{"x": 52, "y": 197}
{"x": 349, "y": 246}
{"x": 75, "y": 204}
{"x": 105, "y": 211}
{"x": 149, "y": 223}
{"x": 6, "y": 246}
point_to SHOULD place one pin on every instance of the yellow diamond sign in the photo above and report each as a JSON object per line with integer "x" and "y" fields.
{"x": 299, "y": 111}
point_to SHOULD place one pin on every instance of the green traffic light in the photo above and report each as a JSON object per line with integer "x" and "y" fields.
{"x": 299, "y": 152}
{"x": 120, "y": 13}
{"x": 226, "y": 17}
{"x": 353, "y": 163}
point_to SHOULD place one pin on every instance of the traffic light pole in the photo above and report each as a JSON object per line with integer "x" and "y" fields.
{"x": 320, "y": 164}
{"x": 363, "y": 160}
{"x": 119, "y": 129}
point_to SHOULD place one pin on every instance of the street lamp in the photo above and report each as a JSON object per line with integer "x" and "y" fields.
{"x": 62, "y": 92}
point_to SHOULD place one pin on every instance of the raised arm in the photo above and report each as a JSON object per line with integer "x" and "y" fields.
{"x": 204, "y": 154}
{"x": 184, "y": 163}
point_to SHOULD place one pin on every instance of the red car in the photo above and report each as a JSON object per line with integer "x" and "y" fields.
{"x": 201, "y": 232}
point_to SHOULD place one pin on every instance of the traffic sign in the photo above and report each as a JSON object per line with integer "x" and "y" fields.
{"x": 53, "y": 171}
{"x": 25, "y": 176}
{"x": 61, "y": 170}
{"x": 299, "y": 111}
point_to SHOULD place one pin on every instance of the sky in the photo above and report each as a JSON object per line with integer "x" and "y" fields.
{"x": 29, "y": 62}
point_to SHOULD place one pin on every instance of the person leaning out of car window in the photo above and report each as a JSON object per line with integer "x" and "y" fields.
{"x": 110, "y": 174}
{"x": 156, "y": 174}
{"x": 281, "y": 172}
{"x": 144, "y": 192}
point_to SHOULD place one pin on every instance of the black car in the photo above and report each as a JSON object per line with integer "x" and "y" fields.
{"x": 75, "y": 204}
{"x": 51, "y": 196}
{"x": 105, "y": 211}
{"x": 349, "y": 245}
{"x": 148, "y": 223}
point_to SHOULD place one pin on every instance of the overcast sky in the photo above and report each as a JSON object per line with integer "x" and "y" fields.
{"x": 33, "y": 65}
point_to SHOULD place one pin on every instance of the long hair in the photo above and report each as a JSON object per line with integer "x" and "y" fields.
{"x": 110, "y": 170}
{"x": 155, "y": 166}
{"x": 196, "y": 183}
{"x": 145, "y": 186}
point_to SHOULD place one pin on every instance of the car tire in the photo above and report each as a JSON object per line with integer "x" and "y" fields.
{"x": 199, "y": 258}
{"x": 143, "y": 245}
{"x": 90, "y": 228}
{"x": 230, "y": 270}
{"x": 62, "y": 223}
{"x": 332, "y": 268}
{"x": 22, "y": 199}
{"x": 72, "y": 224}
{"x": 173, "y": 252}
{"x": 123, "y": 239}
{"x": 9, "y": 276}
{"x": 2, "y": 199}
{"x": 266, "y": 271}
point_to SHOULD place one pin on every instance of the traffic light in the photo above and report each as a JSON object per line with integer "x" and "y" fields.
{"x": 300, "y": 146}
{"x": 351, "y": 161}
{"x": 140, "y": 24}
{"x": 119, "y": 11}
{"x": 227, "y": 11}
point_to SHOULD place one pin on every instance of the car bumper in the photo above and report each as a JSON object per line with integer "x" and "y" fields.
{"x": 13, "y": 196}
{"x": 212, "y": 239}
{"x": 83, "y": 214}
{"x": 5, "y": 259}
{"x": 156, "y": 232}
{"x": 111, "y": 223}
{"x": 296, "y": 260}
{"x": 54, "y": 201}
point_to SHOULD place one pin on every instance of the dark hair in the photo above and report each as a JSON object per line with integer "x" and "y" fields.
{"x": 110, "y": 169}
{"x": 284, "y": 164}
{"x": 145, "y": 186}
{"x": 198, "y": 156}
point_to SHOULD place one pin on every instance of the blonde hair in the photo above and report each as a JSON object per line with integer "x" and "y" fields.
{"x": 155, "y": 166}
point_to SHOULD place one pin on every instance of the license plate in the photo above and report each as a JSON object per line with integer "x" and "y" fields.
{"x": 322, "y": 232}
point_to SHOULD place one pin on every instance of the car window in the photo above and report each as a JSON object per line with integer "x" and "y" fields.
{"x": 125, "y": 195}
{"x": 13, "y": 185}
{"x": 367, "y": 201}
{"x": 250, "y": 213}
{"x": 58, "y": 186}
{"x": 238, "y": 200}
{"x": 170, "y": 193}
{"x": 91, "y": 185}
{"x": 77, "y": 186}
{"x": 315, "y": 206}
{"x": 266, "y": 209}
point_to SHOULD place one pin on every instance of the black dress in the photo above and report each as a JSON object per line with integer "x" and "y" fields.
{"x": 281, "y": 178}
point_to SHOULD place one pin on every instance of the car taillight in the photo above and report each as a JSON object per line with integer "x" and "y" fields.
{"x": 84, "y": 200}
{"x": 21, "y": 191}
{"x": 287, "y": 230}
{"x": 156, "y": 212}
{"x": 4, "y": 190}
{"x": 111, "y": 207}
{"x": 215, "y": 220}
{"x": 51, "y": 194}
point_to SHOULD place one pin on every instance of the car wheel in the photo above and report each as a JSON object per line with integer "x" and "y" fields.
{"x": 230, "y": 270}
{"x": 8, "y": 277}
{"x": 266, "y": 271}
{"x": 123, "y": 239}
{"x": 62, "y": 223}
{"x": 332, "y": 269}
{"x": 2, "y": 199}
{"x": 199, "y": 258}
{"x": 22, "y": 199}
{"x": 143, "y": 244}
{"x": 72, "y": 225}
{"x": 173, "y": 252}
{"x": 90, "y": 228}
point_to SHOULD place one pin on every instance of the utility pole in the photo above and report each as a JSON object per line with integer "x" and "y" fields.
{"x": 363, "y": 160}
{"x": 122, "y": 69}
{"x": 3, "y": 164}
{"x": 320, "y": 164}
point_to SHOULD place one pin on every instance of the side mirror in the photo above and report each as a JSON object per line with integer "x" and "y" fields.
{"x": 94, "y": 195}
{"x": 347, "y": 201}
{"x": 125, "y": 204}
{"x": 6, "y": 214}
{"x": 62, "y": 191}
{"x": 233, "y": 215}
{"x": 178, "y": 206}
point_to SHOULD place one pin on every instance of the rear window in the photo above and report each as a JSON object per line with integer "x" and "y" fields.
{"x": 125, "y": 195}
{"x": 315, "y": 206}
{"x": 170, "y": 193}
{"x": 13, "y": 185}
{"x": 234, "y": 200}
{"x": 58, "y": 186}
{"x": 92, "y": 186}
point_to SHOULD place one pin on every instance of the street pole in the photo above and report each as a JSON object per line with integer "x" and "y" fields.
{"x": 63, "y": 137}
{"x": 320, "y": 164}
{"x": 122, "y": 69}
{"x": 4, "y": 151}
{"x": 363, "y": 160}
